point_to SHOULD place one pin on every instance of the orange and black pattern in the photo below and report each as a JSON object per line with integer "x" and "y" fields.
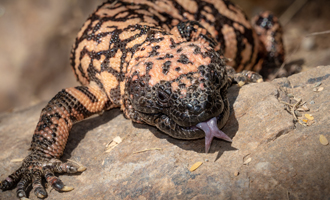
{"x": 166, "y": 63}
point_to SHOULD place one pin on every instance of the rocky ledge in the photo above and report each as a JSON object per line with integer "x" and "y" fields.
{"x": 276, "y": 151}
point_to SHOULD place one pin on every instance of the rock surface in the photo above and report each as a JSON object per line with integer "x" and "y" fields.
{"x": 272, "y": 155}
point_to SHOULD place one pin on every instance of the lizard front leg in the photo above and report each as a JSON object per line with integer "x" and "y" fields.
{"x": 50, "y": 137}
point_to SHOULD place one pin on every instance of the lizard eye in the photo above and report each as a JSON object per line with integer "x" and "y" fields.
{"x": 162, "y": 96}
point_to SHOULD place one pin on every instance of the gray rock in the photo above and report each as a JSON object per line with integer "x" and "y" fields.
{"x": 272, "y": 155}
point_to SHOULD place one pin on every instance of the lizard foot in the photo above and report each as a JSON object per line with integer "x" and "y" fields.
{"x": 243, "y": 77}
{"x": 33, "y": 169}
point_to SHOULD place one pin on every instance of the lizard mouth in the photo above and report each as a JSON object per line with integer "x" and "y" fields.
{"x": 208, "y": 129}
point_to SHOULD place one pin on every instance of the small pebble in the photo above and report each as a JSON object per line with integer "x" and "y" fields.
{"x": 236, "y": 173}
{"x": 312, "y": 102}
{"x": 206, "y": 160}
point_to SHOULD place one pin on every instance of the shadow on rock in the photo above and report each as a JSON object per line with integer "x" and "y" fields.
{"x": 80, "y": 129}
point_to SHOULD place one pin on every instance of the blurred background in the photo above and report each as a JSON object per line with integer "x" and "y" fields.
{"x": 36, "y": 38}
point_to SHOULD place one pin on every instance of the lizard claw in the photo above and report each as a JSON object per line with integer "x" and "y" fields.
{"x": 67, "y": 189}
{"x": 81, "y": 169}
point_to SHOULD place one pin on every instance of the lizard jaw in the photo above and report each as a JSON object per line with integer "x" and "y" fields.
{"x": 211, "y": 130}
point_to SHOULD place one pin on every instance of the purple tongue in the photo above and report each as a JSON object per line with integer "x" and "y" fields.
{"x": 211, "y": 130}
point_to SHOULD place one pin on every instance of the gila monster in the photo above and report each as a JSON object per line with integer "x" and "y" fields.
{"x": 166, "y": 63}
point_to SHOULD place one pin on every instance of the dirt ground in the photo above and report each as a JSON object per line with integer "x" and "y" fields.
{"x": 36, "y": 38}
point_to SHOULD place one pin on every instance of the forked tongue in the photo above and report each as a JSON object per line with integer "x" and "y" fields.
{"x": 211, "y": 130}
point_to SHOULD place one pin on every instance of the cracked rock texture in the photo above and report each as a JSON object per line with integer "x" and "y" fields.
{"x": 271, "y": 157}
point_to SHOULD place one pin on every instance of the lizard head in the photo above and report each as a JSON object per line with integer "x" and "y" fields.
{"x": 177, "y": 87}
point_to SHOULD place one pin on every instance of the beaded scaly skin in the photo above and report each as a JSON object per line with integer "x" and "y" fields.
{"x": 166, "y": 63}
